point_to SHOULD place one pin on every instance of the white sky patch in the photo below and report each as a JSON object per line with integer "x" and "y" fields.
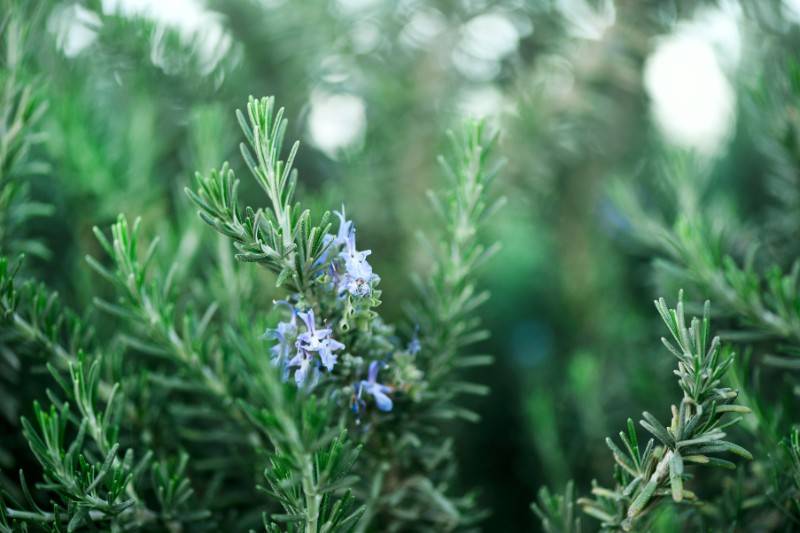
{"x": 481, "y": 102}
{"x": 336, "y": 121}
{"x": 720, "y": 28}
{"x": 366, "y": 36}
{"x": 485, "y": 41}
{"x": 791, "y": 8}
{"x": 353, "y": 7}
{"x": 189, "y": 17}
{"x": 273, "y": 4}
{"x": 585, "y": 21}
{"x": 75, "y": 28}
{"x": 693, "y": 102}
{"x": 422, "y": 27}
{"x": 335, "y": 69}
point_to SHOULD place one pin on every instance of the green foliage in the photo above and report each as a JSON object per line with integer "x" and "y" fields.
{"x": 557, "y": 511}
{"x": 282, "y": 238}
{"x": 444, "y": 314}
{"x": 751, "y": 271}
{"x": 22, "y": 109}
{"x": 696, "y": 435}
{"x": 174, "y": 386}
{"x": 448, "y": 296}
{"x": 148, "y": 304}
{"x": 793, "y": 447}
{"x": 315, "y": 457}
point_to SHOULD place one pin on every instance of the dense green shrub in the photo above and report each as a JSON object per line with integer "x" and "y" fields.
{"x": 153, "y": 378}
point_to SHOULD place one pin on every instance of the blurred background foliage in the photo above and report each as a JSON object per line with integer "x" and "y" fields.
{"x": 591, "y": 97}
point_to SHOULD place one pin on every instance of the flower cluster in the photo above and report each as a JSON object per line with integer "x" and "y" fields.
{"x": 348, "y": 266}
{"x": 347, "y": 285}
{"x": 285, "y": 334}
{"x": 309, "y": 350}
{"x": 313, "y": 341}
{"x": 314, "y": 348}
{"x": 378, "y": 391}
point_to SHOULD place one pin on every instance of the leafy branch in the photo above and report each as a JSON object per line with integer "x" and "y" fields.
{"x": 21, "y": 109}
{"x": 309, "y": 470}
{"x": 35, "y": 329}
{"x": 556, "y": 511}
{"x": 84, "y": 469}
{"x": 282, "y": 238}
{"x": 695, "y": 435}
{"x": 148, "y": 303}
{"x": 448, "y": 296}
{"x": 327, "y": 273}
{"x": 443, "y": 316}
{"x": 699, "y": 249}
{"x": 90, "y": 484}
{"x": 37, "y": 316}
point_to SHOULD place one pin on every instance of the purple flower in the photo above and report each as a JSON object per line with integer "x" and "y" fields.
{"x": 337, "y": 241}
{"x": 313, "y": 340}
{"x": 358, "y": 275}
{"x": 414, "y": 346}
{"x": 357, "y": 278}
{"x": 378, "y": 391}
{"x": 345, "y": 228}
{"x": 285, "y": 333}
{"x": 307, "y": 372}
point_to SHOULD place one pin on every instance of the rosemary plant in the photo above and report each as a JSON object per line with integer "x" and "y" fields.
{"x": 333, "y": 345}
{"x": 338, "y": 412}
{"x": 646, "y": 474}
{"x": 557, "y": 511}
{"x": 236, "y": 358}
{"x": 750, "y": 269}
